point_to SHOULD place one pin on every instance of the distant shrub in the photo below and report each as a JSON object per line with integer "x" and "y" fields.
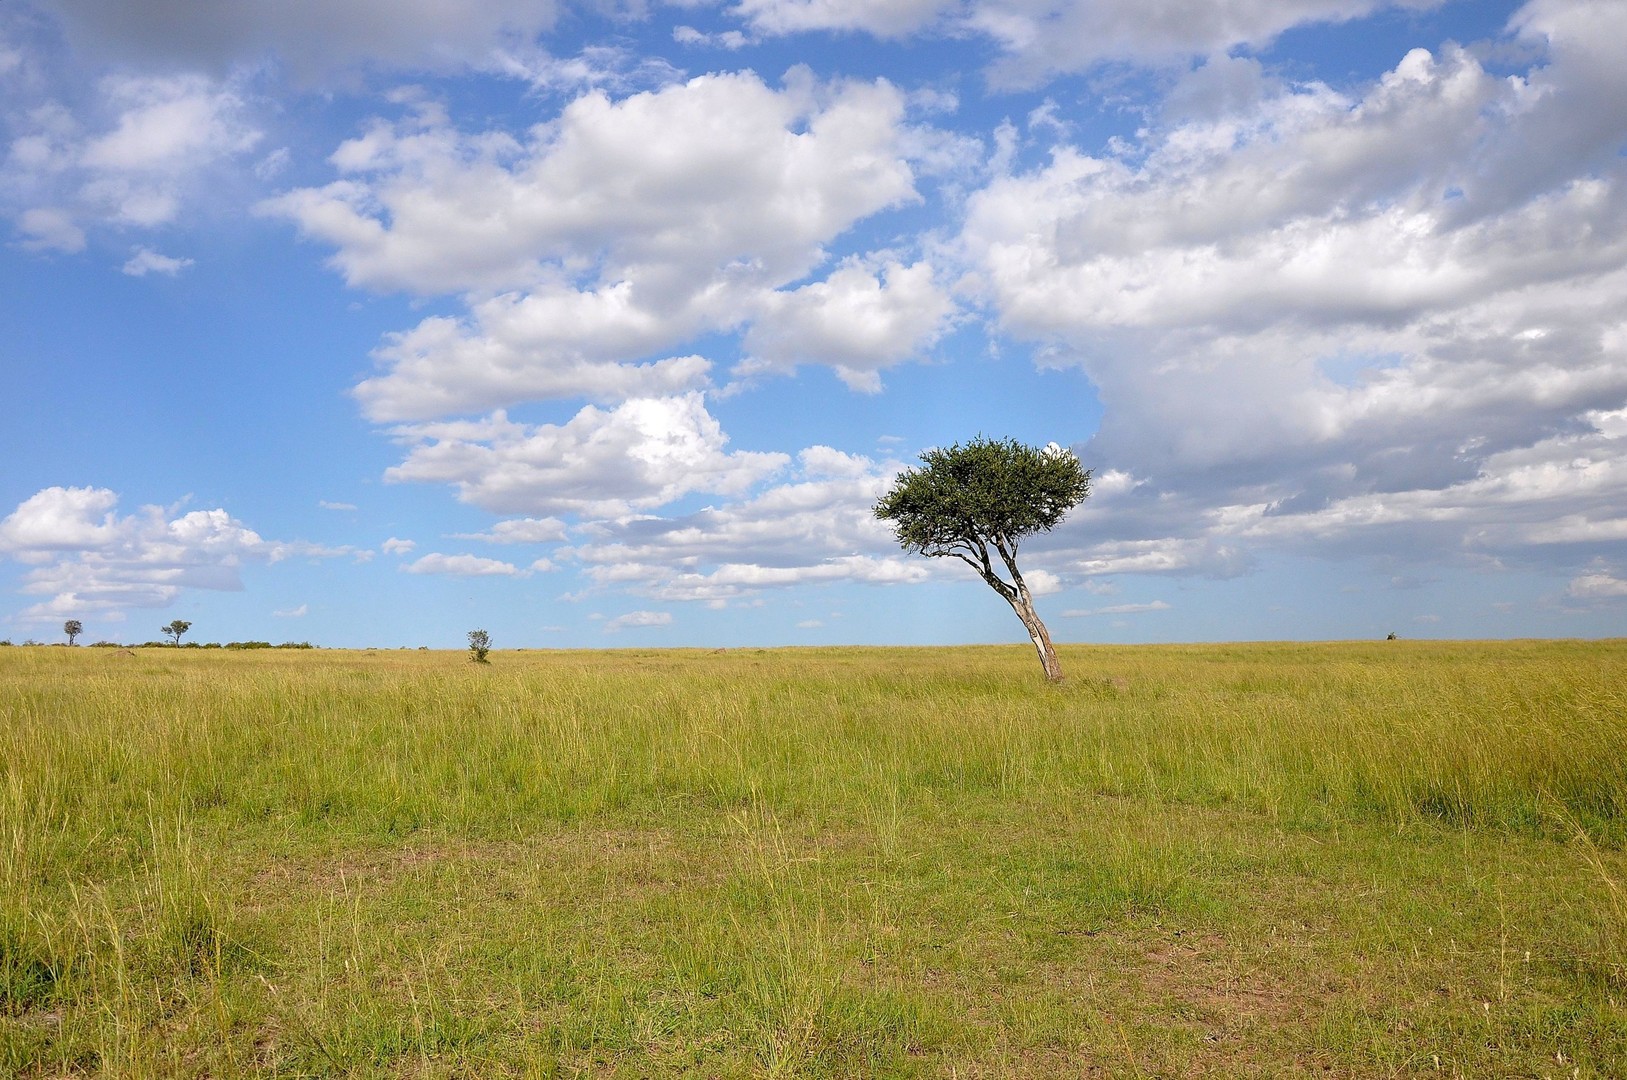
{"x": 249, "y": 645}
{"x": 103, "y": 645}
{"x": 479, "y": 646}
{"x": 5, "y": 643}
{"x": 295, "y": 645}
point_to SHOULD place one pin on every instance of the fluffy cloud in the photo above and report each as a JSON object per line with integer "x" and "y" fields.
{"x": 643, "y": 453}
{"x": 520, "y": 531}
{"x": 1340, "y": 323}
{"x": 314, "y": 37}
{"x": 1597, "y": 585}
{"x": 883, "y": 20}
{"x": 166, "y": 123}
{"x": 1039, "y": 38}
{"x": 50, "y": 228}
{"x": 728, "y": 39}
{"x": 60, "y": 519}
{"x": 87, "y": 559}
{"x": 618, "y": 230}
{"x": 638, "y": 620}
{"x": 461, "y": 566}
{"x": 524, "y": 348}
{"x": 146, "y": 145}
{"x": 147, "y": 261}
{"x": 816, "y": 528}
{"x": 857, "y": 320}
{"x": 722, "y": 171}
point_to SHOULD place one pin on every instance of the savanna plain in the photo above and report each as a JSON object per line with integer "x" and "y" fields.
{"x": 1334, "y": 860}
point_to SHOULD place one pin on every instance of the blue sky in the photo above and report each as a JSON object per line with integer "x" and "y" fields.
{"x": 371, "y": 322}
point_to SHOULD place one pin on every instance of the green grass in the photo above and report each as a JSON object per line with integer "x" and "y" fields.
{"x": 1352, "y": 860}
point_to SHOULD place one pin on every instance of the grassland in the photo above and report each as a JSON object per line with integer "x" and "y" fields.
{"x": 1347, "y": 860}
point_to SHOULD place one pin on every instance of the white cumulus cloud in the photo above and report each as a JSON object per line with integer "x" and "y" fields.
{"x": 1598, "y": 585}
{"x": 520, "y": 531}
{"x": 461, "y": 566}
{"x": 857, "y": 320}
{"x": 88, "y": 559}
{"x": 147, "y": 261}
{"x": 129, "y": 157}
{"x": 638, "y": 620}
{"x": 318, "y": 39}
{"x": 1040, "y": 38}
{"x": 594, "y": 243}
{"x": 1341, "y": 323}
{"x": 643, "y": 453}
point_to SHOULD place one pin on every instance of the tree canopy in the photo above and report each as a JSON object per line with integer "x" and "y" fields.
{"x": 989, "y": 491}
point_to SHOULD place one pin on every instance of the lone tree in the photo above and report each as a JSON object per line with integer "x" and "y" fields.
{"x": 976, "y": 502}
{"x": 176, "y": 629}
{"x": 73, "y": 628}
{"x": 479, "y": 646}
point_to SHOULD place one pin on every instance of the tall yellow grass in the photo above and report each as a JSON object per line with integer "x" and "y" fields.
{"x": 783, "y": 818}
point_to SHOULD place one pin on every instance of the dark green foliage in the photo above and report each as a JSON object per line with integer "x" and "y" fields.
{"x": 989, "y": 491}
{"x": 479, "y": 646}
{"x": 267, "y": 645}
{"x": 73, "y": 628}
{"x": 175, "y": 629}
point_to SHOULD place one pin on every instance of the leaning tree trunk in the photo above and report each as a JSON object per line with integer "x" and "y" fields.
{"x": 1023, "y": 605}
{"x": 1015, "y": 592}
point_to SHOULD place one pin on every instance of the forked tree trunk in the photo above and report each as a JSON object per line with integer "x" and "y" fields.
{"x": 1015, "y": 592}
{"x": 1023, "y": 605}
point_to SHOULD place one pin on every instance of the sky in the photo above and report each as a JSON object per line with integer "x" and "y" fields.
{"x": 371, "y": 322}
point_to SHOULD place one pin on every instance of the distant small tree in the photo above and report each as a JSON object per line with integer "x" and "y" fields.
{"x": 73, "y": 628}
{"x": 176, "y": 629}
{"x": 977, "y": 502}
{"x": 479, "y": 646}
